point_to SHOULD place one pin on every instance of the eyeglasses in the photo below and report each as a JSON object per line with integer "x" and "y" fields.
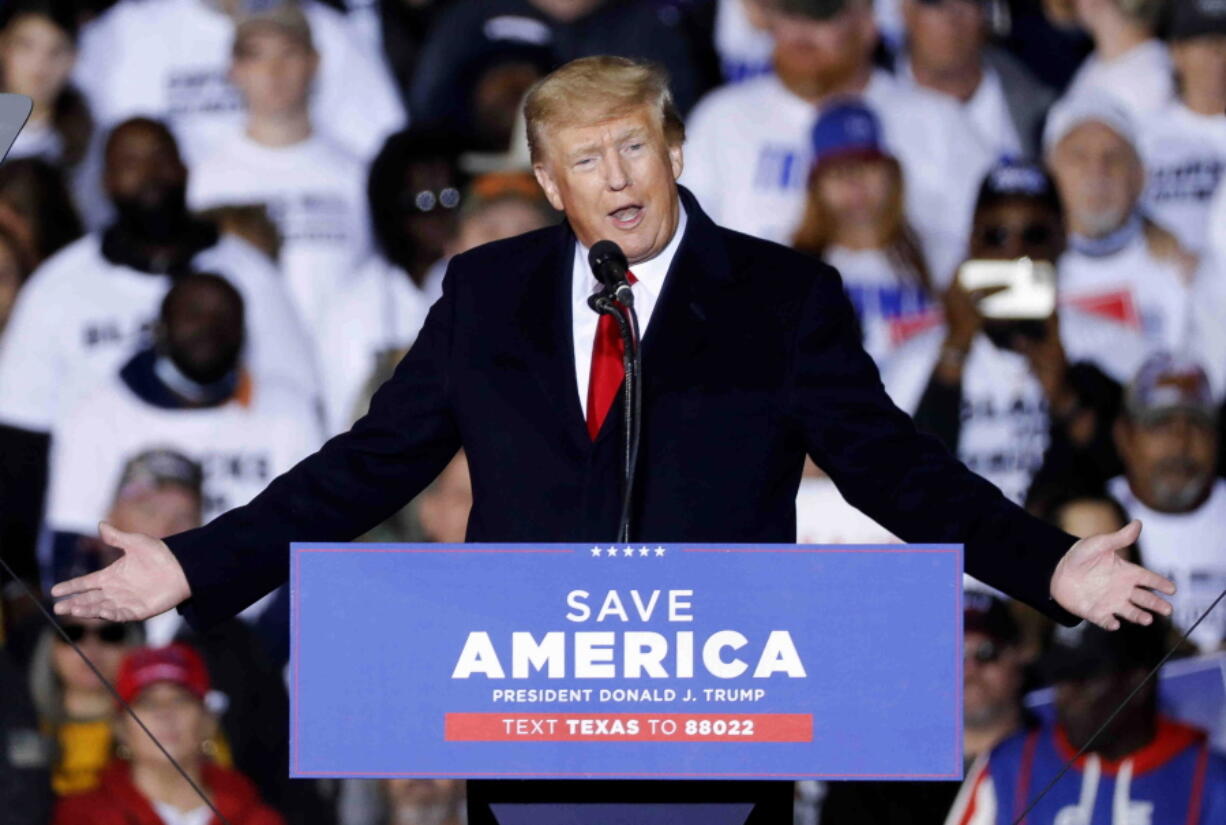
{"x": 984, "y": 653}
{"x": 108, "y": 634}
{"x": 1032, "y": 234}
{"x": 427, "y": 199}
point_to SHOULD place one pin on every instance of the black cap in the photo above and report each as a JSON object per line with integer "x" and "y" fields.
{"x": 1011, "y": 179}
{"x": 989, "y": 615}
{"x": 1194, "y": 18}
{"x": 813, "y": 9}
{"x": 1087, "y": 650}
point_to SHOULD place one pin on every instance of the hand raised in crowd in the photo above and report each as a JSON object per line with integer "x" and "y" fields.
{"x": 963, "y": 322}
{"x": 1095, "y": 582}
{"x": 145, "y": 581}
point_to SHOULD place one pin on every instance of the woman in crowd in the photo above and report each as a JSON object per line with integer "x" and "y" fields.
{"x": 854, "y": 221}
{"x": 15, "y": 266}
{"x": 166, "y": 687}
{"x": 74, "y": 708}
{"x": 38, "y": 48}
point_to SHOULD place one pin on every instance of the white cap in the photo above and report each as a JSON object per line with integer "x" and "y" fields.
{"x": 1087, "y": 107}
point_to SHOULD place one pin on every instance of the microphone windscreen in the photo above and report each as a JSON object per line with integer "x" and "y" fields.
{"x": 608, "y": 263}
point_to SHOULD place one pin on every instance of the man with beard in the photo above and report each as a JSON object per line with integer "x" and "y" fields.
{"x": 1168, "y": 440}
{"x": 1144, "y": 768}
{"x": 188, "y": 392}
{"x": 749, "y": 144}
{"x": 1118, "y": 264}
{"x": 85, "y": 311}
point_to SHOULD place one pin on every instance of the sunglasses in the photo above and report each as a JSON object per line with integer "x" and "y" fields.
{"x": 1032, "y": 234}
{"x": 110, "y": 634}
{"x": 427, "y": 200}
{"x": 984, "y": 653}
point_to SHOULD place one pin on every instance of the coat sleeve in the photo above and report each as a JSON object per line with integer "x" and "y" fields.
{"x": 903, "y": 479}
{"x": 352, "y": 483}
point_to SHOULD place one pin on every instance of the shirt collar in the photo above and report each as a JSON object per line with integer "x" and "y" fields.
{"x": 650, "y": 273}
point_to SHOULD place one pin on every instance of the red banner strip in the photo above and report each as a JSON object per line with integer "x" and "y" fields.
{"x": 628, "y": 727}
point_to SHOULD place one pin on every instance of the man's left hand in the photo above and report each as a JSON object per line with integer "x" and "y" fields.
{"x": 1094, "y": 582}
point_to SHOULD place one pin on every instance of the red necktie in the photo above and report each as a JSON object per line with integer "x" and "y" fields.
{"x": 607, "y": 370}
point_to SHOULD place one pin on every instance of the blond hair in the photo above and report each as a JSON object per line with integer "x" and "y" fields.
{"x": 591, "y": 89}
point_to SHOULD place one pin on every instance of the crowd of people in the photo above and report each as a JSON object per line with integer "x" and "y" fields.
{"x": 226, "y": 220}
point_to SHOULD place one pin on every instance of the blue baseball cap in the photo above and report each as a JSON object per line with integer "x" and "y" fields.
{"x": 846, "y": 129}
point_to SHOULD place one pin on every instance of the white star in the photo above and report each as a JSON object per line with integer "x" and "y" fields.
{"x": 643, "y": 551}
{"x": 595, "y": 551}
{"x": 628, "y": 552}
{"x": 659, "y": 551}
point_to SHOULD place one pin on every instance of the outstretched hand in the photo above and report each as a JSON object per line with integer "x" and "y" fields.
{"x": 1094, "y": 582}
{"x": 145, "y": 581}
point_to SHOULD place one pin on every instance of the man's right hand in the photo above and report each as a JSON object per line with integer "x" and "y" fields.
{"x": 145, "y": 581}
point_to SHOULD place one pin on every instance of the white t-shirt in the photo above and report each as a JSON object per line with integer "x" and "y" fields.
{"x": 1142, "y": 79}
{"x": 1190, "y": 550}
{"x": 38, "y": 140}
{"x": 380, "y": 309}
{"x": 241, "y": 449}
{"x": 315, "y": 193}
{"x": 1207, "y": 335}
{"x": 171, "y": 815}
{"x": 987, "y": 110}
{"x": 748, "y": 155}
{"x": 80, "y": 317}
{"x": 1005, "y": 427}
{"x": 169, "y": 59}
{"x": 891, "y": 305}
{"x": 1185, "y": 157}
{"x": 744, "y": 51}
{"x": 1137, "y": 289}
{"x": 1216, "y": 235}
{"x": 823, "y": 516}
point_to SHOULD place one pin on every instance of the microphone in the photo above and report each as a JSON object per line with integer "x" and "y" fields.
{"x": 609, "y": 265}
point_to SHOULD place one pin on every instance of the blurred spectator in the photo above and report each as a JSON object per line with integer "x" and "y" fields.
{"x": 741, "y": 39}
{"x": 1046, "y": 36}
{"x": 749, "y": 152}
{"x": 947, "y": 52}
{"x": 25, "y": 754}
{"x": 1089, "y": 515}
{"x": 38, "y": 46}
{"x": 424, "y": 801}
{"x": 1217, "y": 224}
{"x": 1143, "y": 768}
{"x": 75, "y": 709}
{"x": 1128, "y": 62}
{"x": 469, "y": 31}
{"x": 1168, "y": 439}
{"x": 158, "y": 493}
{"x": 33, "y": 192}
{"x": 167, "y": 688}
{"x": 854, "y": 221}
{"x": 443, "y": 507}
{"x": 312, "y": 188}
{"x": 376, "y": 318}
{"x": 1003, "y": 391}
{"x": 1183, "y": 145}
{"x": 189, "y": 392}
{"x": 992, "y": 674}
{"x": 414, "y": 188}
{"x": 170, "y": 58}
{"x": 1118, "y": 265}
{"x": 86, "y": 310}
{"x": 15, "y": 266}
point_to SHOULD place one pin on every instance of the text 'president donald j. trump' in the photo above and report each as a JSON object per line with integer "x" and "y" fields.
{"x": 751, "y": 359}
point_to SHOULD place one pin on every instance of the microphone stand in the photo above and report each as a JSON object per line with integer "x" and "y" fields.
{"x": 632, "y": 394}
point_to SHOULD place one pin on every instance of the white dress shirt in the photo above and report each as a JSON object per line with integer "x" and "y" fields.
{"x": 649, "y": 277}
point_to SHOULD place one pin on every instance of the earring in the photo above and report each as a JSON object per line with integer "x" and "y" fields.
{"x": 123, "y": 751}
{"x": 209, "y": 748}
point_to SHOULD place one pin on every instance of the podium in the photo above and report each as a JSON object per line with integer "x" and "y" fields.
{"x": 743, "y": 665}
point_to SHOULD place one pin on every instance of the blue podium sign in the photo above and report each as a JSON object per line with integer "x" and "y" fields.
{"x": 644, "y": 661}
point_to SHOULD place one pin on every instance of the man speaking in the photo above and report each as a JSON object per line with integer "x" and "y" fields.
{"x": 751, "y": 359}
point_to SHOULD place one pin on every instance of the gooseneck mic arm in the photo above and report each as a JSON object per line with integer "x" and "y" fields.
{"x": 616, "y": 299}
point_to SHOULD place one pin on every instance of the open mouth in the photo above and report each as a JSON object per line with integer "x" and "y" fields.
{"x": 627, "y": 217}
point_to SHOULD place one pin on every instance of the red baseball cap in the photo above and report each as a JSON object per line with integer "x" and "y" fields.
{"x": 176, "y": 663}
